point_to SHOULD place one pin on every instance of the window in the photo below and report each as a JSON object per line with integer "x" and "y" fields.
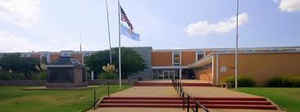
{"x": 199, "y": 55}
{"x": 176, "y": 58}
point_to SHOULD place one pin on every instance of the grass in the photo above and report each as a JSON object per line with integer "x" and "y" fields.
{"x": 15, "y": 99}
{"x": 287, "y": 98}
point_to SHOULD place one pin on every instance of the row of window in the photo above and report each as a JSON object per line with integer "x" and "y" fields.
{"x": 177, "y": 57}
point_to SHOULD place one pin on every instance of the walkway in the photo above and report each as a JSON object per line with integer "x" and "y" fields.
{"x": 148, "y": 91}
{"x": 145, "y": 92}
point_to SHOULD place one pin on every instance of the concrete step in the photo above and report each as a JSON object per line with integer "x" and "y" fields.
{"x": 177, "y": 102}
{"x": 170, "y": 84}
{"x": 224, "y": 106}
{"x": 194, "y": 98}
{"x": 180, "y": 102}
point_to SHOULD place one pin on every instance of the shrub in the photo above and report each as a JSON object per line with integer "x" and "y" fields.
{"x": 5, "y": 76}
{"x": 294, "y": 80}
{"x": 279, "y": 81}
{"x": 107, "y": 75}
{"x": 43, "y": 75}
{"x": 18, "y": 76}
{"x": 243, "y": 81}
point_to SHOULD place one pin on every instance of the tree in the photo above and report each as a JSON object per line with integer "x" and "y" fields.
{"x": 16, "y": 64}
{"x": 132, "y": 62}
{"x": 96, "y": 61}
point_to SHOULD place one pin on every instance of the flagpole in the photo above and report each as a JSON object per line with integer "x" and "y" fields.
{"x": 236, "y": 45}
{"x": 108, "y": 29}
{"x": 120, "y": 65}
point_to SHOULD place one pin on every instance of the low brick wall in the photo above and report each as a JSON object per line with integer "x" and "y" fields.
{"x": 43, "y": 82}
{"x": 101, "y": 82}
{"x": 22, "y": 82}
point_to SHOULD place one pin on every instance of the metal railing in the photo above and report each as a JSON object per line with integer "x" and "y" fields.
{"x": 95, "y": 99}
{"x": 187, "y": 100}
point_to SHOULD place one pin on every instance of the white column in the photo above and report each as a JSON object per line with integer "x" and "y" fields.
{"x": 180, "y": 73}
{"x": 217, "y": 69}
{"x": 92, "y": 75}
{"x": 213, "y": 68}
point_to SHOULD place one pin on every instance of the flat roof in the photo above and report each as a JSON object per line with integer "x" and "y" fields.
{"x": 293, "y": 49}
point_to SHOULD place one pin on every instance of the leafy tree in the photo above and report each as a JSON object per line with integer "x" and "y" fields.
{"x": 132, "y": 62}
{"x": 97, "y": 60}
{"x": 16, "y": 64}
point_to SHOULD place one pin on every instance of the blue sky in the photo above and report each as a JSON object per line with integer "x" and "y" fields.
{"x": 54, "y": 25}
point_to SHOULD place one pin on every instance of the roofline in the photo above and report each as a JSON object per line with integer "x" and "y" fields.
{"x": 229, "y": 49}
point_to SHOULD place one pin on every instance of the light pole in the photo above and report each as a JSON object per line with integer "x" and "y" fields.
{"x": 236, "y": 45}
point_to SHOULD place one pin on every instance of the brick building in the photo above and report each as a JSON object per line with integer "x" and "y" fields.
{"x": 212, "y": 64}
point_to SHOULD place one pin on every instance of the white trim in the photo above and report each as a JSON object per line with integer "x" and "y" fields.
{"x": 172, "y": 58}
{"x": 217, "y": 69}
{"x": 196, "y": 57}
{"x": 180, "y": 73}
{"x": 180, "y": 58}
{"x": 213, "y": 68}
{"x": 226, "y": 49}
{"x": 169, "y": 67}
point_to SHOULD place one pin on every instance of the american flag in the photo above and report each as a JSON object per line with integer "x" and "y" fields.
{"x": 124, "y": 18}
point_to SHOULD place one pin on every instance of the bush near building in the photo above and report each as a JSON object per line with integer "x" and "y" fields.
{"x": 284, "y": 81}
{"x": 279, "y": 81}
{"x": 106, "y": 75}
{"x": 243, "y": 81}
{"x": 15, "y": 67}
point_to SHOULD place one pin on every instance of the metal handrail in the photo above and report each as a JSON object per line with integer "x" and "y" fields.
{"x": 186, "y": 98}
{"x": 202, "y": 106}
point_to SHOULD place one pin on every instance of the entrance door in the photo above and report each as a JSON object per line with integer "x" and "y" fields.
{"x": 168, "y": 74}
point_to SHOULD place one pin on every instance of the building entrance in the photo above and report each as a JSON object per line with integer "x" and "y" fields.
{"x": 164, "y": 74}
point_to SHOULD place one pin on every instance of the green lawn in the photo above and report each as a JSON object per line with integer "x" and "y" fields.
{"x": 15, "y": 99}
{"x": 287, "y": 98}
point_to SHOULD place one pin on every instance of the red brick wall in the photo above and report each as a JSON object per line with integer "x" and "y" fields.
{"x": 162, "y": 58}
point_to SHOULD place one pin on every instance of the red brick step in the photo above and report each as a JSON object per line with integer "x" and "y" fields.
{"x": 225, "y": 106}
{"x": 195, "y": 98}
{"x": 177, "y": 102}
{"x": 180, "y": 102}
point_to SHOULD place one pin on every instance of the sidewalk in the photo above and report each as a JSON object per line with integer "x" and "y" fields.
{"x": 148, "y": 92}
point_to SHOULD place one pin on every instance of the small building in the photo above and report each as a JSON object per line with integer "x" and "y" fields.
{"x": 66, "y": 72}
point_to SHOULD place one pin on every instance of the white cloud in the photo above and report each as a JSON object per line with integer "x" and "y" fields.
{"x": 10, "y": 42}
{"x": 203, "y": 28}
{"x": 275, "y": 1}
{"x": 289, "y": 5}
{"x": 23, "y": 13}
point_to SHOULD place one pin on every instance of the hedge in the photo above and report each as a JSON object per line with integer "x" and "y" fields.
{"x": 284, "y": 81}
{"x": 5, "y": 75}
{"x": 106, "y": 75}
{"x": 243, "y": 81}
